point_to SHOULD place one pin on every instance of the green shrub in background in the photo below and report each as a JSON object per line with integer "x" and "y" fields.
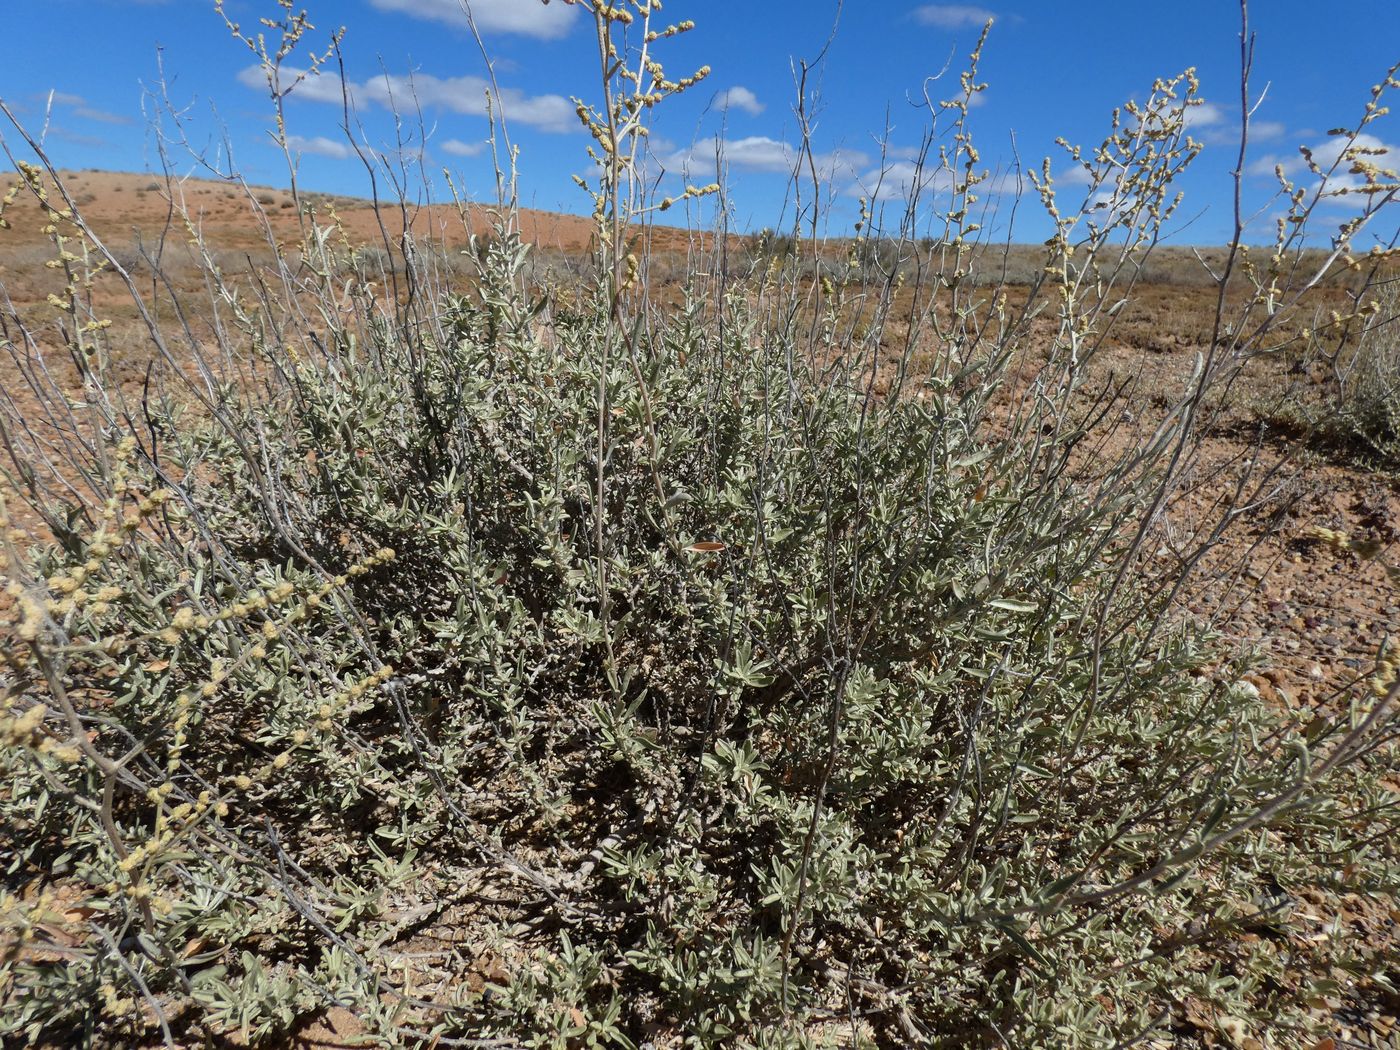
{"x": 1365, "y": 406}
{"x": 1347, "y": 400}
{"x": 698, "y": 671}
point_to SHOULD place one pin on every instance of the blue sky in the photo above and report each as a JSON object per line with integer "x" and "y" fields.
{"x": 1053, "y": 69}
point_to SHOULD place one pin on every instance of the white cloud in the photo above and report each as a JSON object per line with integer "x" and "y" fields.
{"x": 321, "y": 146}
{"x": 1206, "y": 115}
{"x": 739, "y": 97}
{"x": 465, "y": 95}
{"x": 1208, "y": 124}
{"x": 754, "y": 153}
{"x": 900, "y": 180}
{"x": 324, "y": 87}
{"x": 90, "y": 141}
{"x": 100, "y": 115}
{"x": 80, "y": 107}
{"x": 1340, "y": 187}
{"x": 1228, "y": 134}
{"x": 1325, "y": 155}
{"x": 1218, "y": 126}
{"x": 1266, "y": 166}
{"x": 1077, "y": 175}
{"x": 760, "y": 153}
{"x": 763, "y": 154}
{"x": 527, "y": 17}
{"x": 1329, "y": 152}
{"x": 953, "y": 16}
{"x": 458, "y": 148}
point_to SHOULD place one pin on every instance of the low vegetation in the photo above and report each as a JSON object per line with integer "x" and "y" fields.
{"x": 1364, "y": 384}
{"x": 796, "y": 660}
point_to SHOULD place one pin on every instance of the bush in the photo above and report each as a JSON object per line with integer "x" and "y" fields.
{"x": 681, "y": 682}
{"x": 1365, "y": 408}
{"x": 1347, "y": 401}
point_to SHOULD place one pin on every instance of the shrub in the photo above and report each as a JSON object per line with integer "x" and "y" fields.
{"x": 1346, "y": 400}
{"x": 683, "y": 681}
{"x": 1365, "y": 405}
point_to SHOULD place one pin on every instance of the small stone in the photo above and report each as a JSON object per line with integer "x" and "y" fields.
{"x": 1233, "y": 1029}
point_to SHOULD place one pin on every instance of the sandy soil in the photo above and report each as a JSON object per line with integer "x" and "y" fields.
{"x": 121, "y": 206}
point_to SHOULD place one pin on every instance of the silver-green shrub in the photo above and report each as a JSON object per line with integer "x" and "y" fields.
{"x": 1365, "y": 406}
{"x": 708, "y": 669}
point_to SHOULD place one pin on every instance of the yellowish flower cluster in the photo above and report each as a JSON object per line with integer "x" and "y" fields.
{"x": 115, "y": 1004}
{"x": 342, "y": 701}
{"x": 184, "y": 707}
{"x": 325, "y": 722}
{"x": 670, "y": 31}
{"x": 186, "y": 619}
{"x": 1365, "y": 548}
{"x": 10, "y": 197}
{"x": 80, "y": 268}
{"x": 172, "y": 822}
{"x": 1337, "y": 540}
{"x": 1386, "y": 677}
{"x": 612, "y": 12}
{"x": 281, "y": 79}
{"x": 635, "y": 82}
{"x": 42, "y": 604}
{"x": 26, "y": 731}
{"x": 689, "y": 192}
{"x": 20, "y": 918}
{"x": 70, "y": 590}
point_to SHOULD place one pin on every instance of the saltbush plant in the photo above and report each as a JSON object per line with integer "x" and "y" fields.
{"x": 698, "y": 672}
{"x": 1363, "y": 406}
